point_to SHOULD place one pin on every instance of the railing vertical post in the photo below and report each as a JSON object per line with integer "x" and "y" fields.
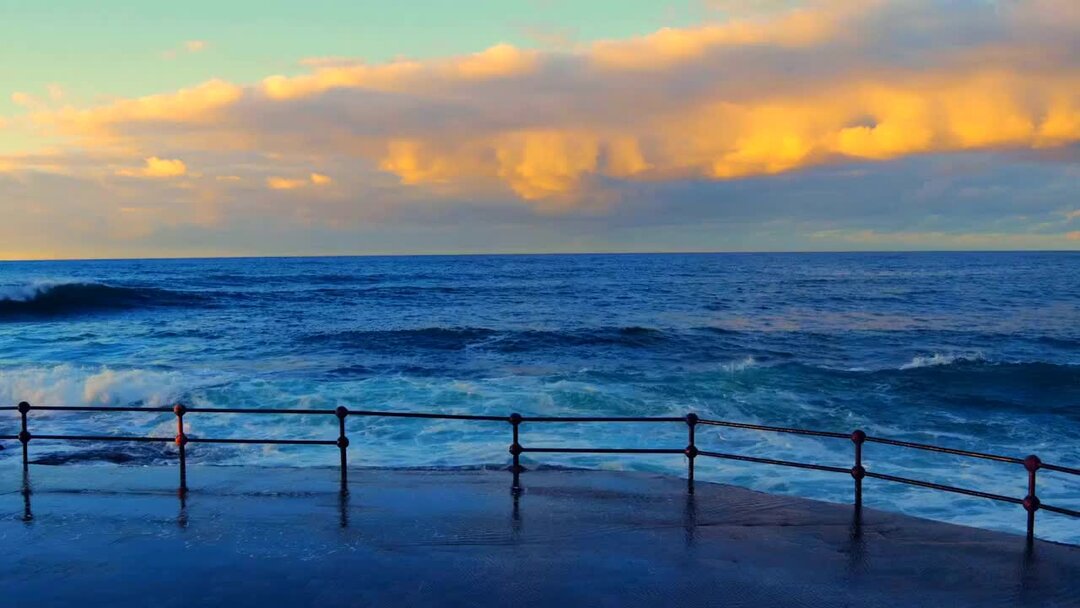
{"x": 1031, "y": 501}
{"x": 24, "y": 435}
{"x": 343, "y": 443}
{"x": 858, "y": 437}
{"x": 691, "y": 450}
{"x": 515, "y": 450}
{"x": 181, "y": 443}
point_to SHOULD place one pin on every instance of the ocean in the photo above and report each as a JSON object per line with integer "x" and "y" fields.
{"x": 977, "y": 351}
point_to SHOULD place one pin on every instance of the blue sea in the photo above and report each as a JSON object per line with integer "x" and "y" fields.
{"x": 978, "y": 351}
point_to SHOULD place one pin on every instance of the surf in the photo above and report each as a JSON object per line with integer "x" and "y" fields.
{"x": 57, "y": 299}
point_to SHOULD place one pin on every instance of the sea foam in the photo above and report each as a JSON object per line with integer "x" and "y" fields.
{"x": 98, "y": 386}
{"x": 938, "y": 359}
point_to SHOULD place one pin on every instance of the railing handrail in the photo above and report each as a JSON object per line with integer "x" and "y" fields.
{"x": 1032, "y": 464}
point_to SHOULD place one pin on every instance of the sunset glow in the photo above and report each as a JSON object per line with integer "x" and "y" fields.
{"x": 548, "y": 134}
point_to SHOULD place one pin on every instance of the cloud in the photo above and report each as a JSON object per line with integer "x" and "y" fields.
{"x": 157, "y": 168}
{"x": 287, "y": 183}
{"x": 742, "y": 8}
{"x": 26, "y": 100}
{"x": 671, "y": 46}
{"x": 122, "y": 118}
{"x": 188, "y": 46}
{"x": 698, "y": 116}
{"x": 873, "y": 239}
{"x": 54, "y": 93}
{"x": 501, "y": 61}
{"x": 757, "y": 96}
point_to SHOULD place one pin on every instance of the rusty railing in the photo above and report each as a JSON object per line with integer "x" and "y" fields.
{"x": 1032, "y": 464}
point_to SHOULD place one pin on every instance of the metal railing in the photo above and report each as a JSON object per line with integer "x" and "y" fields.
{"x": 1032, "y": 464}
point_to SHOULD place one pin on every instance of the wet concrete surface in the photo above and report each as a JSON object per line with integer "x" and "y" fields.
{"x": 120, "y": 536}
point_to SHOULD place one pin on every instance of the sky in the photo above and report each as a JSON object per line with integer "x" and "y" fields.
{"x": 146, "y": 129}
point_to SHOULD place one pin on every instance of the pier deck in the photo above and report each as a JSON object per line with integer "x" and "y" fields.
{"x": 120, "y": 536}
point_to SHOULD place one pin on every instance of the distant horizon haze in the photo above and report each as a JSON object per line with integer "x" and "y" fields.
{"x": 466, "y": 254}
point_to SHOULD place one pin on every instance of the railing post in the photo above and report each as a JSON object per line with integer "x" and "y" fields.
{"x": 515, "y": 450}
{"x": 343, "y": 443}
{"x": 858, "y": 437}
{"x": 24, "y": 436}
{"x": 691, "y": 451}
{"x": 181, "y": 443}
{"x": 1031, "y": 501}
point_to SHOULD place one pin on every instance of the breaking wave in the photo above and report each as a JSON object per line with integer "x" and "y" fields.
{"x": 937, "y": 359}
{"x": 98, "y": 386}
{"x": 54, "y": 299}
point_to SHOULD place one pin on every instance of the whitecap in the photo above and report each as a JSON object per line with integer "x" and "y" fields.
{"x": 739, "y": 365}
{"x": 937, "y": 359}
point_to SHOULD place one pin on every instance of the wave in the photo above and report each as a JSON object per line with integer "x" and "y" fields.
{"x": 55, "y": 299}
{"x": 67, "y": 384}
{"x": 740, "y": 365}
{"x": 1059, "y": 342}
{"x": 510, "y": 341}
{"x": 135, "y": 454}
{"x": 938, "y": 359}
{"x": 429, "y": 338}
{"x": 626, "y": 337}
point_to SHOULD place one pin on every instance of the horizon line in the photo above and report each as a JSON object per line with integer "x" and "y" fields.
{"x": 533, "y": 253}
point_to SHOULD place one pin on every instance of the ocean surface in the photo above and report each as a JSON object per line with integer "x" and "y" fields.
{"x": 976, "y": 351}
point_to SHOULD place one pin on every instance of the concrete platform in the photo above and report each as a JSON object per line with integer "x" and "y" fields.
{"x": 119, "y": 536}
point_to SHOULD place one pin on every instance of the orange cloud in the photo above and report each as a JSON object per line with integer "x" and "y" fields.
{"x": 670, "y": 45}
{"x": 189, "y": 46}
{"x": 23, "y": 99}
{"x": 284, "y": 183}
{"x": 157, "y": 168}
{"x": 200, "y": 104}
{"x": 499, "y": 61}
{"x": 287, "y": 183}
{"x": 724, "y": 140}
{"x": 825, "y": 84}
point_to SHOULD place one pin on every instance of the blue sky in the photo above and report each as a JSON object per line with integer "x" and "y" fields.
{"x": 233, "y": 128}
{"x": 115, "y": 47}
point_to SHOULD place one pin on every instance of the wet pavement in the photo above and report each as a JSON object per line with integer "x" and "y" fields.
{"x": 246, "y": 536}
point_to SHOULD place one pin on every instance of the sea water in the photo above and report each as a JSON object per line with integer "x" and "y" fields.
{"x": 977, "y": 351}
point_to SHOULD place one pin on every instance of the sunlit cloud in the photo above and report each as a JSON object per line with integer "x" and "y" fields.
{"x": 293, "y": 183}
{"x": 801, "y": 86}
{"x": 21, "y": 98}
{"x": 285, "y": 183}
{"x": 187, "y": 47}
{"x": 715, "y": 102}
{"x": 156, "y": 168}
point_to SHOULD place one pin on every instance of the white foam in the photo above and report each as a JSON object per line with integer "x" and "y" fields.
{"x": 941, "y": 359}
{"x": 25, "y": 293}
{"x": 739, "y": 365}
{"x": 98, "y": 386}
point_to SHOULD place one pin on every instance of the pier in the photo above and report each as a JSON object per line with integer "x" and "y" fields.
{"x": 857, "y": 439}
